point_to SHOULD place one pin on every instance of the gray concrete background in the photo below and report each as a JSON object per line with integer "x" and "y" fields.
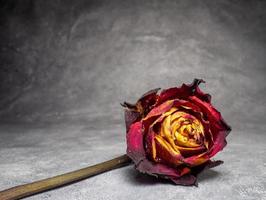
{"x": 66, "y": 65}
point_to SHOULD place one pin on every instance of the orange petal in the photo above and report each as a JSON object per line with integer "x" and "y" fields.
{"x": 166, "y": 132}
{"x": 166, "y": 153}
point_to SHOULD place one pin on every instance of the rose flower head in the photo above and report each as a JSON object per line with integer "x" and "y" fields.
{"x": 175, "y": 133}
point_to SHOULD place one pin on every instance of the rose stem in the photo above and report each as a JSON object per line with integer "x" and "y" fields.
{"x": 29, "y": 189}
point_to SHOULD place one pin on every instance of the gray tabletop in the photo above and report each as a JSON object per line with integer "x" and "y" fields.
{"x": 32, "y": 152}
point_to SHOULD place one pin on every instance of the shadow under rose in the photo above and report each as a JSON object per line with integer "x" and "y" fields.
{"x": 207, "y": 175}
{"x": 137, "y": 178}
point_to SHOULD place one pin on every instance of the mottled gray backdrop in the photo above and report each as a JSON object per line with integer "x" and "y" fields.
{"x": 65, "y": 66}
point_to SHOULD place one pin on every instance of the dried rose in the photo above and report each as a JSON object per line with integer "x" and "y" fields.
{"x": 174, "y": 134}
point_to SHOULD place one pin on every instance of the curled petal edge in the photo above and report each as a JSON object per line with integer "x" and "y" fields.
{"x": 134, "y": 112}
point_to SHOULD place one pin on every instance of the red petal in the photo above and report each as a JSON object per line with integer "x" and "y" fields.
{"x": 134, "y": 112}
{"x": 186, "y": 180}
{"x": 150, "y": 145}
{"x": 218, "y": 126}
{"x": 148, "y": 100}
{"x": 215, "y": 163}
{"x": 219, "y": 143}
{"x": 197, "y": 159}
{"x": 135, "y": 148}
{"x": 184, "y": 92}
{"x": 196, "y": 91}
{"x": 209, "y": 164}
{"x": 146, "y": 166}
{"x": 155, "y": 113}
{"x": 131, "y": 117}
{"x": 166, "y": 153}
{"x": 160, "y": 109}
{"x": 213, "y": 115}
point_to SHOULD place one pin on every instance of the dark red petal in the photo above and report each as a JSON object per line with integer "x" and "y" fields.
{"x": 148, "y": 100}
{"x": 131, "y": 114}
{"x": 149, "y": 94}
{"x": 219, "y": 143}
{"x": 160, "y": 109}
{"x": 218, "y": 126}
{"x": 135, "y": 148}
{"x": 171, "y": 93}
{"x": 213, "y": 115}
{"x": 146, "y": 166}
{"x": 197, "y": 159}
{"x": 186, "y": 180}
{"x": 131, "y": 117}
{"x": 184, "y": 92}
{"x": 196, "y": 91}
{"x": 210, "y": 164}
{"x": 214, "y": 163}
{"x": 134, "y": 112}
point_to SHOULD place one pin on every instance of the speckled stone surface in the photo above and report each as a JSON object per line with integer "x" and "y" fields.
{"x": 33, "y": 152}
{"x": 66, "y": 65}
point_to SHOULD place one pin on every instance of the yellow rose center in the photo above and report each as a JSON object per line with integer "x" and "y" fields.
{"x": 180, "y": 131}
{"x": 185, "y": 129}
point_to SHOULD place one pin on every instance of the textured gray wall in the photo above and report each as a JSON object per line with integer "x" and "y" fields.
{"x": 67, "y": 60}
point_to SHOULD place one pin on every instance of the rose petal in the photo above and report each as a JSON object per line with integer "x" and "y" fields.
{"x": 148, "y": 100}
{"x": 134, "y": 112}
{"x": 131, "y": 116}
{"x": 218, "y": 126}
{"x": 197, "y": 159}
{"x": 135, "y": 148}
{"x": 158, "y": 169}
{"x": 214, "y": 163}
{"x": 184, "y": 92}
{"x": 207, "y": 165}
{"x": 160, "y": 109}
{"x": 196, "y": 91}
{"x": 185, "y": 180}
{"x": 146, "y": 166}
{"x": 188, "y": 151}
{"x": 154, "y": 114}
{"x": 150, "y": 145}
{"x": 179, "y": 177}
{"x": 213, "y": 115}
{"x": 219, "y": 143}
{"x": 166, "y": 153}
